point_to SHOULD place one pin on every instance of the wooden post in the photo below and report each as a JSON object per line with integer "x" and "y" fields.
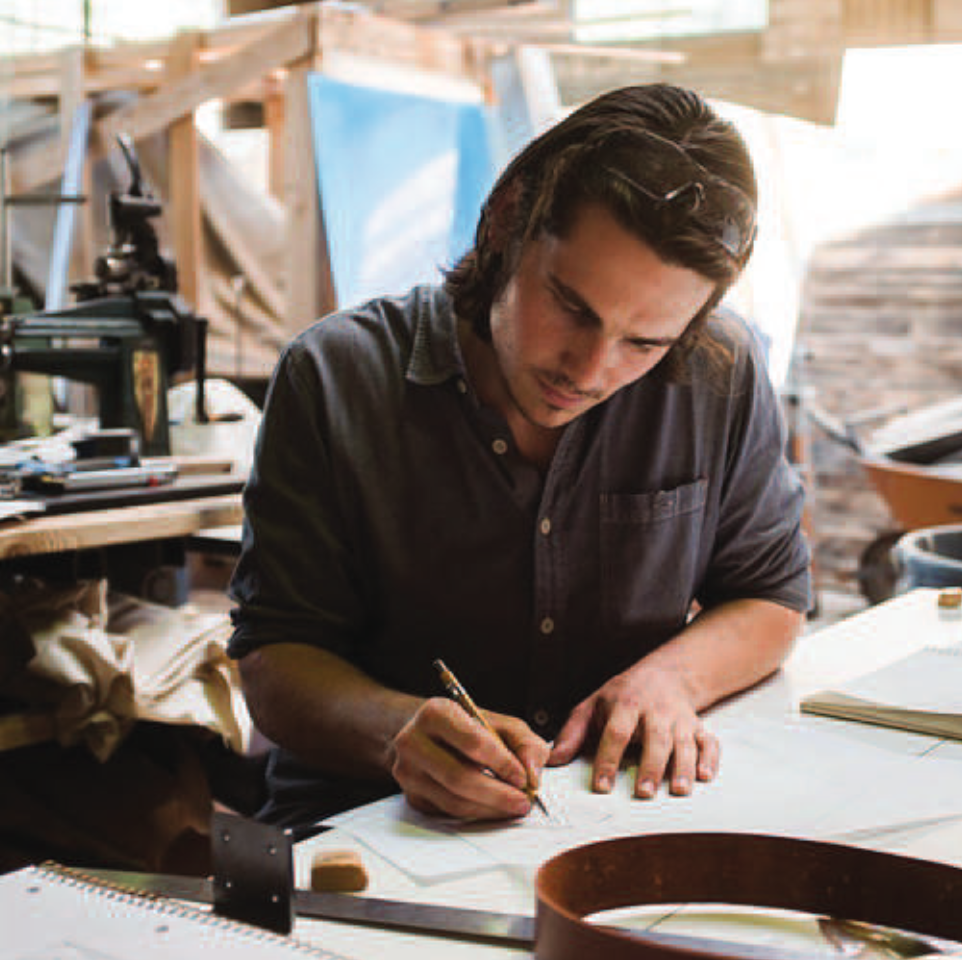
{"x": 183, "y": 179}
{"x": 308, "y": 285}
{"x": 274, "y": 122}
{"x": 72, "y": 94}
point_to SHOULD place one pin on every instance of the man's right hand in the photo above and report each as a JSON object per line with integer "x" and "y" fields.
{"x": 337, "y": 719}
{"x": 446, "y": 763}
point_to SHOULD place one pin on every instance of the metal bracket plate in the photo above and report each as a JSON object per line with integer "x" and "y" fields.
{"x": 253, "y": 872}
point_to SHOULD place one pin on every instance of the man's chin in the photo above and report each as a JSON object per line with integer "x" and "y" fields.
{"x": 550, "y": 418}
{"x": 539, "y": 412}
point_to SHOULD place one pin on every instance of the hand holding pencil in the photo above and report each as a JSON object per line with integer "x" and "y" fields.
{"x": 463, "y": 699}
{"x": 450, "y": 759}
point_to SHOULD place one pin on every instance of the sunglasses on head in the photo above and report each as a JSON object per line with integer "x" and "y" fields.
{"x": 682, "y": 190}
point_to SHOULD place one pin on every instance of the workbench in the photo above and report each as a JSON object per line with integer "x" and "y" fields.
{"x": 140, "y": 547}
{"x": 916, "y": 812}
{"x": 136, "y": 537}
{"x": 870, "y": 639}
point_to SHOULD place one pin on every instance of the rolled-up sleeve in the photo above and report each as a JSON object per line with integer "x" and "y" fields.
{"x": 297, "y": 579}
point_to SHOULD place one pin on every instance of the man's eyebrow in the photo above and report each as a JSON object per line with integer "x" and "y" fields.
{"x": 578, "y": 303}
{"x": 574, "y": 299}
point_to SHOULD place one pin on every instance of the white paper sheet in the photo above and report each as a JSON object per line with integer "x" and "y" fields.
{"x": 786, "y": 779}
{"x": 929, "y": 679}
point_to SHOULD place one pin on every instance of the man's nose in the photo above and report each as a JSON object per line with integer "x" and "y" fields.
{"x": 589, "y": 361}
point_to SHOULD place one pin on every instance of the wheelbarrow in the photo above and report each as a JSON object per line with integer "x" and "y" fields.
{"x": 914, "y": 462}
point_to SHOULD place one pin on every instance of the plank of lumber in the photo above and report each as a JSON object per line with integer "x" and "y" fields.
{"x": 202, "y": 464}
{"x": 284, "y": 44}
{"x": 184, "y": 179}
{"x": 71, "y": 96}
{"x": 128, "y": 65}
{"x": 369, "y": 35}
{"x": 274, "y": 118}
{"x": 523, "y": 17}
{"x": 308, "y": 280}
{"x": 419, "y": 10}
{"x": 98, "y": 528}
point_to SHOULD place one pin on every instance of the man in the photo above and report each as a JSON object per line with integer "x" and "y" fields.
{"x": 561, "y": 473}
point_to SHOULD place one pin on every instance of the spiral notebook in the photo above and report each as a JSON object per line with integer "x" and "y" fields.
{"x": 50, "y": 912}
{"x": 921, "y": 693}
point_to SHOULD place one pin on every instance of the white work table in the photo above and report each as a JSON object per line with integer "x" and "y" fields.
{"x": 782, "y": 772}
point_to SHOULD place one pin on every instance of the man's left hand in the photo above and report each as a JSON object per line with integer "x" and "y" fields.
{"x": 649, "y": 706}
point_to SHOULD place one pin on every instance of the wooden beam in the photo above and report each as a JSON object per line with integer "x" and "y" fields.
{"x": 240, "y": 32}
{"x": 126, "y": 64}
{"x": 364, "y": 34}
{"x": 274, "y": 121}
{"x": 522, "y": 13}
{"x": 614, "y": 52}
{"x": 138, "y": 65}
{"x": 281, "y": 46}
{"x": 72, "y": 94}
{"x": 102, "y": 528}
{"x": 416, "y": 10}
{"x": 308, "y": 282}
{"x": 802, "y": 29}
{"x": 183, "y": 180}
{"x": 502, "y": 32}
{"x": 801, "y": 88}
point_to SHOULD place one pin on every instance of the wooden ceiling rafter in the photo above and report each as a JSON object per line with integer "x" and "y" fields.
{"x": 273, "y": 247}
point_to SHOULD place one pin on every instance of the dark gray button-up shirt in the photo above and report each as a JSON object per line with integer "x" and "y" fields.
{"x": 391, "y": 520}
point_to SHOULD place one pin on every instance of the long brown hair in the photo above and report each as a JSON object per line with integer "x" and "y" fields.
{"x": 658, "y": 157}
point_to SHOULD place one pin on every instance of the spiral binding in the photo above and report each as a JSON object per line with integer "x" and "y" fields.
{"x": 121, "y": 893}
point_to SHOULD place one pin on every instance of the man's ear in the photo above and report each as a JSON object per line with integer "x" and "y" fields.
{"x": 503, "y": 207}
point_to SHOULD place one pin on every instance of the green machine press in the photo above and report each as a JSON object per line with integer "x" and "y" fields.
{"x": 127, "y": 334}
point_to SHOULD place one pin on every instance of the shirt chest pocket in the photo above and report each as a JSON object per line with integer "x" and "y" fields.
{"x": 650, "y": 546}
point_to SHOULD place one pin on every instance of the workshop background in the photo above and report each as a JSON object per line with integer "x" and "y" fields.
{"x": 263, "y": 133}
{"x": 302, "y": 156}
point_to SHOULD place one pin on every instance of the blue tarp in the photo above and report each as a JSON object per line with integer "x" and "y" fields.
{"x": 401, "y": 178}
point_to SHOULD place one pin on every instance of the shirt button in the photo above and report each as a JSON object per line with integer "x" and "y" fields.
{"x": 546, "y": 526}
{"x": 547, "y": 626}
{"x": 541, "y": 718}
{"x": 500, "y": 447}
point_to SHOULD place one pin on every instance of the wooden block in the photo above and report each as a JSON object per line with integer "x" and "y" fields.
{"x": 950, "y": 598}
{"x": 338, "y": 871}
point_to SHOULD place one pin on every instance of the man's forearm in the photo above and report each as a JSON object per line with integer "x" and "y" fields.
{"x": 729, "y": 648}
{"x": 323, "y": 709}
